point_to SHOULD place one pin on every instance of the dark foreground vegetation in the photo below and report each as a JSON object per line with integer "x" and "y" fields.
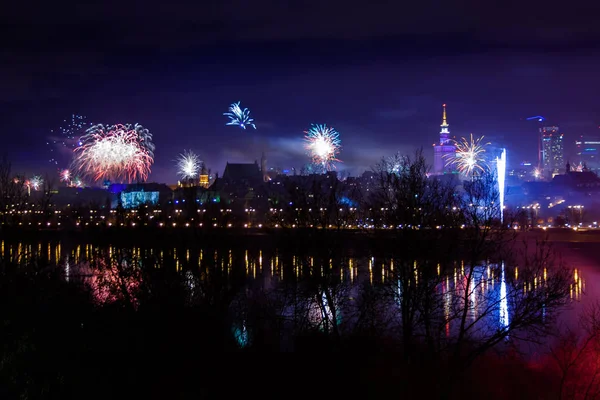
{"x": 57, "y": 342}
{"x": 120, "y": 328}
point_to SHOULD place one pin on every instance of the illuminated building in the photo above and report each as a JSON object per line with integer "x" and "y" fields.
{"x": 588, "y": 155}
{"x": 553, "y": 157}
{"x": 135, "y": 195}
{"x": 443, "y": 151}
{"x": 540, "y": 120}
{"x": 204, "y": 179}
{"x": 136, "y": 199}
{"x": 204, "y": 182}
{"x": 525, "y": 171}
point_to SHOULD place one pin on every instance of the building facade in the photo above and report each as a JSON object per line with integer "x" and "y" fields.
{"x": 588, "y": 155}
{"x": 444, "y": 151}
{"x": 553, "y": 151}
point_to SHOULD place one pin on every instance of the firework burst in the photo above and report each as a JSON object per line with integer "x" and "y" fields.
{"x": 115, "y": 152}
{"x": 323, "y": 144}
{"x": 77, "y": 182}
{"x": 36, "y": 182}
{"x": 188, "y": 165}
{"x": 469, "y": 157}
{"x": 65, "y": 176}
{"x": 238, "y": 116}
{"x": 395, "y": 164}
{"x": 66, "y": 138}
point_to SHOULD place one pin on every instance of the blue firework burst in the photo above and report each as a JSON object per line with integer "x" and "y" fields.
{"x": 238, "y": 116}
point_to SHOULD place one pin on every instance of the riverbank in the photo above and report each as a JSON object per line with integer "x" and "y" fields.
{"x": 178, "y": 234}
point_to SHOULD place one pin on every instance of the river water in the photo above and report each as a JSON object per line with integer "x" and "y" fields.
{"x": 308, "y": 290}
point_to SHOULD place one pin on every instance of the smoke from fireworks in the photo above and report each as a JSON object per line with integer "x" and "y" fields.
{"x": 115, "y": 152}
{"x": 469, "y": 156}
{"x": 66, "y": 137}
{"x": 188, "y": 165}
{"x": 323, "y": 144}
{"x": 239, "y": 116}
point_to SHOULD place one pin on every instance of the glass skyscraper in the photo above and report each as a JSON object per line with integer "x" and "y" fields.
{"x": 553, "y": 151}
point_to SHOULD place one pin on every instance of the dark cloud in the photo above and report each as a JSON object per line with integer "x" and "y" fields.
{"x": 49, "y": 45}
{"x": 125, "y": 24}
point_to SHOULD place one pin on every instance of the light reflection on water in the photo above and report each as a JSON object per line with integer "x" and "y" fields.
{"x": 504, "y": 313}
{"x": 101, "y": 269}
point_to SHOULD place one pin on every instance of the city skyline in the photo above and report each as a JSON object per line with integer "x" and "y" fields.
{"x": 298, "y": 158}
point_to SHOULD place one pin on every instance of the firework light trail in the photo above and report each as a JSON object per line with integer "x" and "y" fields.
{"x": 469, "y": 157}
{"x": 66, "y": 136}
{"x": 323, "y": 144}
{"x": 188, "y": 165}
{"x": 238, "y": 116}
{"x": 115, "y": 153}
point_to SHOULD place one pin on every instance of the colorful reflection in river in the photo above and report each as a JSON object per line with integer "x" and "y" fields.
{"x": 320, "y": 292}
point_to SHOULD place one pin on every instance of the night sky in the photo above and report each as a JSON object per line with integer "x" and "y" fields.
{"x": 377, "y": 71}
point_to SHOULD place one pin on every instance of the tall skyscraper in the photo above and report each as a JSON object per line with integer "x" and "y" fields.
{"x": 445, "y": 150}
{"x": 553, "y": 151}
{"x": 588, "y": 153}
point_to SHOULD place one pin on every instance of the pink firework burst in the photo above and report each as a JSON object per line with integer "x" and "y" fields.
{"x": 115, "y": 153}
{"x": 65, "y": 176}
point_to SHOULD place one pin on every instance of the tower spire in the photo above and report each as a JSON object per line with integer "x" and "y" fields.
{"x": 444, "y": 122}
{"x": 446, "y": 149}
{"x": 444, "y": 132}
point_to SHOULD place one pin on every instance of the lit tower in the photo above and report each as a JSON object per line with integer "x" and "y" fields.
{"x": 539, "y": 119}
{"x": 204, "y": 182}
{"x": 553, "y": 157}
{"x": 444, "y": 150}
{"x": 445, "y": 131}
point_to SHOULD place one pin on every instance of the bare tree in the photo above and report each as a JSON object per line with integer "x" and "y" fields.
{"x": 12, "y": 192}
{"x": 44, "y": 201}
{"x": 500, "y": 292}
{"x": 460, "y": 310}
{"x": 409, "y": 198}
{"x": 423, "y": 212}
{"x": 315, "y": 201}
{"x": 576, "y": 357}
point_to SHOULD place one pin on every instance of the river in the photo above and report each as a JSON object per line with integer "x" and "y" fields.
{"x": 320, "y": 290}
